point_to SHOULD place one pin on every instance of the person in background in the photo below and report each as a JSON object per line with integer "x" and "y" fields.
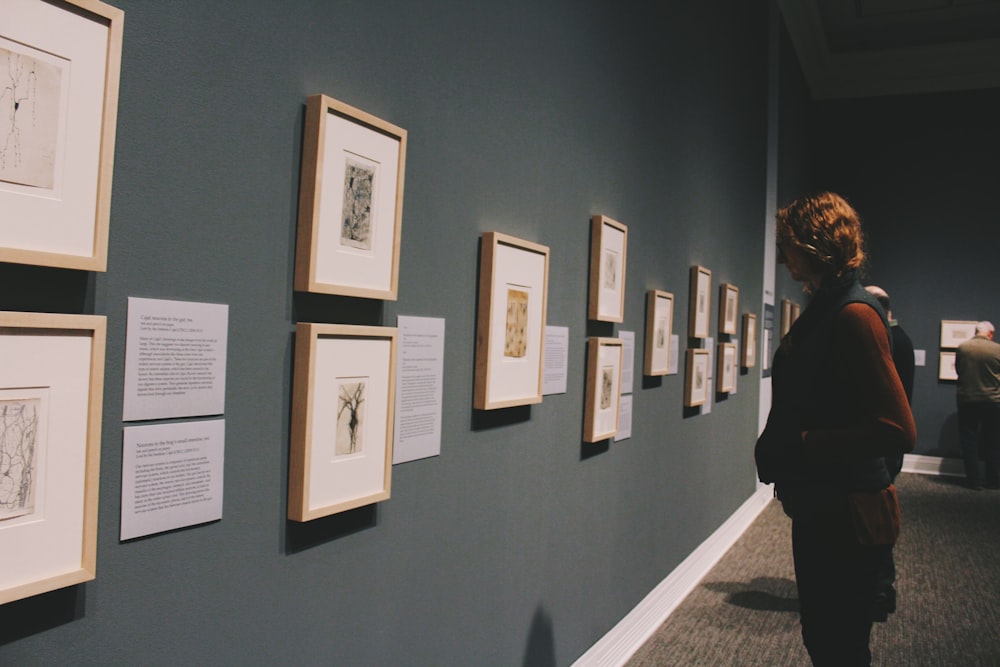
{"x": 838, "y": 409}
{"x": 902, "y": 357}
{"x": 977, "y": 362}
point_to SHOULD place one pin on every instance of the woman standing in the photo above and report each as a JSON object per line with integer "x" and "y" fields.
{"x": 838, "y": 407}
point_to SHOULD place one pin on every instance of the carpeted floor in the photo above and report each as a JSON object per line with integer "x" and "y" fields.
{"x": 745, "y": 611}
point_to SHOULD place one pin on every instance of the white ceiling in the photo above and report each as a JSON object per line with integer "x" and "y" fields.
{"x": 859, "y": 48}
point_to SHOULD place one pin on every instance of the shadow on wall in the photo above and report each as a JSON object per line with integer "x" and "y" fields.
{"x": 948, "y": 445}
{"x": 540, "y": 651}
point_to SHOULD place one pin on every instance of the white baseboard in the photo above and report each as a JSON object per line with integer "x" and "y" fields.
{"x": 622, "y": 641}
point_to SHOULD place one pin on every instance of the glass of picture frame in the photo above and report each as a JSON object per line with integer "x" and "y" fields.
{"x": 748, "y": 348}
{"x": 725, "y": 371}
{"x": 51, "y": 402}
{"x": 729, "y": 308}
{"x": 343, "y": 401}
{"x": 659, "y": 329}
{"x": 603, "y": 388}
{"x": 696, "y": 377}
{"x": 956, "y": 332}
{"x": 699, "y": 306}
{"x": 608, "y": 245}
{"x": 62, "y": 66}
{"x": 510, "y": 324}
{"x": 350, "y": 202}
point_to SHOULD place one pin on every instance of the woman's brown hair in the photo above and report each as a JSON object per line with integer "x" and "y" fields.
{"x": 826, "y": 229}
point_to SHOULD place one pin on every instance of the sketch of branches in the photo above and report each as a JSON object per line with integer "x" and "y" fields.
{"x": 607, "y": 386}
{"x": 516, "y": 337}
{"x": 29, "y": 103}
{"x": 359, "y": 181}
{"x": 18, "y": 431}
{"x": 350, "y": 418}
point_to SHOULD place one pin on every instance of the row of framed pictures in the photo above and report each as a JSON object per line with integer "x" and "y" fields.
{"x": 953, "y": 334}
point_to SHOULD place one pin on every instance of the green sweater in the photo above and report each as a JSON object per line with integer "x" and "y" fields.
{"x": 978, "y": 366}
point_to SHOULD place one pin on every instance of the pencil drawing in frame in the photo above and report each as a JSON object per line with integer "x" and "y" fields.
{"x": 350, "y": 202}
{"x": 729, "y": 307}
{"x": 61, "y": 66}
{"x": 659, "y": 329}
{"x": 699, "y": 306}
{"x": 748, "y": 358}
{"x": 343, "y": 401}
{"x": 725, "y": 372}
{"x": 956, "y": 332}
{"x": 608, "y": 246}
{"x": 51, "y": 401}
{"x": 696, "y": 377}
{"x": 603, "y": 388}
{"x": 946, "y": 366}
{"x": 510, "y": 323}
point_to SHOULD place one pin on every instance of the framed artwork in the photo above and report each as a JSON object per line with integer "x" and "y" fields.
{"x": 608, "y": 243}
{"x": 603, "y": 390}
{"x": 343, "y": 397}
{"x": 699, "y": 307}
{"x": 51, "y": 398}
{"x": 725, "y": 372}
{"x": 786, "y": 316}
{"x": 350, "y": 202}
{"x": 796, "y": 311}
{"x": 946, "y": 366}
{"x": 659, "y": 328}
{"x": 510, "y": 325}
{"x": 956, "y": 332}
{"x": 61, "y": 64}
{"x": 696, "y": 377}
{"x": 729, "y": 307}
{"x": 748, "y": 348}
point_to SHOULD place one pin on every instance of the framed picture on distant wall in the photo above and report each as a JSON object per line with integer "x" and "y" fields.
{"x": 350, "y": 202}
{"x": 343, "y": 400}
{"x": 729, "y": 307}
{"x": 608, "y": 245}
{"x": 659, "y": 329}
{"x": 786, "y": 316}
{"x": 51, "y": 398}
{"x": 60, "y": 64}
{"x": 956, "y": 332}
{"x": 946, "y": 366}
{"x": 699, "y": 306}
{"x": 696, "y": 377}
{"x": 748, "y": 347}
{"x": 603, "y": 390}
{"x": 510, "y": 325}
{"x": 726, "y": 368}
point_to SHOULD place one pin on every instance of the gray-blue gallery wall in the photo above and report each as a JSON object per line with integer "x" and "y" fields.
{"x": 518, "y": 544}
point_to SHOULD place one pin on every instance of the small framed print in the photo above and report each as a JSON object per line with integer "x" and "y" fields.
{"x": 696, "y": 377}
{"x": 61, "y": 64}
{"x": 796, "y": 311}
{"x": 748, "y": 358}
{"x": 699, "y": 308}
{"x": 350, "y": 202}
{"x": 786, "y": 316}
{"x": 343, "y": 398}
{"x": 510, "y": 325}
{"x": 608, "y": 243}
{"x": 729, "y": 307}
{"x": 51, "y": 397}
{"x": 946, "y": 366}
{"x": 956, "y": 332}
{"x": 725, "y": 371}
{"x": 603, "y": 397}
{"x": 659, "y": 329}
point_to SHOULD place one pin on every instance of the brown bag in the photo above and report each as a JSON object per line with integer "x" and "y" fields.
{"x": 876, "y": 515}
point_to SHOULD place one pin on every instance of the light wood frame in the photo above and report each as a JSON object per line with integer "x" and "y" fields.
{"x": 946, "y": 366}
{"x": 322, "y": 480}
{"x": 729, "y": 308}
{"x": 68, "y": 226}
{"x": 324, "y": 261}
{"x": 786, "y": 317}
{"x": 725, "y": 368}
{"x": 60, "y": 360}
{"x": 696, "y": 377}
{"x": 700, "y": 302}
{"x": 956, "y": 332}
{"x": 748, "y": 347}
{"x": 659, "y": 330}
{"x": 510, "y": 324}
{"x": 608, "y": 250}
{"x": 603, "y": 389}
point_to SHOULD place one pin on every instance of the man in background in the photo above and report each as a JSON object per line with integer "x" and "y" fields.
{"x": 978, "y": 365}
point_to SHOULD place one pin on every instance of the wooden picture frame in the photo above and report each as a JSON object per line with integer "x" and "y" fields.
{"x": 956, "y": 332}
{"x": 659, "y": 330}
{"x": 786, "y": 317}
{"x": 603, "y": 388}
{"x": 62, "y": 61}
{"x": 350, "y": 202}
{"x": 748, "y": 348}
{"x": 700, "y": 303}
{"x": 725, "y": 371}
{"x": 946, "y": 366}
{"x": 51, "y": 403}
{"x": 729, "y": 308}
{"x": 510, "y": 324}
{"x": 696, "y": 377}
{"x": 608, "y": 246}
{"x": 343, "y": 402}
